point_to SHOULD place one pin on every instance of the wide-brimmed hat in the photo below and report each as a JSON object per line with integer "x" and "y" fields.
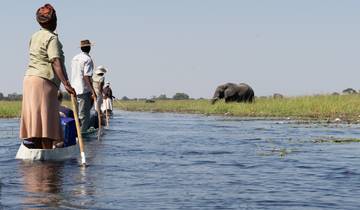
{"x": 85, "y": 43}
{"x": 100, "y": 69}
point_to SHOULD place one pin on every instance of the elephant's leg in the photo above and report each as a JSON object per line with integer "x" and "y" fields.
{"x": 230, "y": 99}
{"x": 240, "y": 98}
{"x": 251, "y": 97}
{"x": 246, "y": 98}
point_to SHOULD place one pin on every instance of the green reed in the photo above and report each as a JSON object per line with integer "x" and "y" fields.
{"x": 9, "y": 109}
{"x": 320, "y": 107}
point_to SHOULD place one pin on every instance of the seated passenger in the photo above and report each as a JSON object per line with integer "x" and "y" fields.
{"x": 94, "y": 120}
{"x": 64, "y": 110}
{"x": 67, "y": 123}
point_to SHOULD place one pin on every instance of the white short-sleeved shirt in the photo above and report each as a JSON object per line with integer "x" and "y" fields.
{"x": 81, "y": 65}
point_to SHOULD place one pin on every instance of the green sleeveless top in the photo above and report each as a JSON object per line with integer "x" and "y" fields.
{"x": 44, "y": 47}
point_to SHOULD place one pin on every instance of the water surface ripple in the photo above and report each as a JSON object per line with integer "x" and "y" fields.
{"x": 174, "y": 161}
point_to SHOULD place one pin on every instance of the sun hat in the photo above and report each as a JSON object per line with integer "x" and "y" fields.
{"x": 85, "y": 43}
{"x": 100, "y": 69}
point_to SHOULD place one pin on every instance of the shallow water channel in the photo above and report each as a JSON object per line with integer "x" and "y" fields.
{"x": 174, "y": 161}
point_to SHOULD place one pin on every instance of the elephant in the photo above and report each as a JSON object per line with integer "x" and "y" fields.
{"x": 234, "y": 92}
{"x": 278, "y": 96}
{"x": 349, "y": 91}
{"x": 149, "y": 101}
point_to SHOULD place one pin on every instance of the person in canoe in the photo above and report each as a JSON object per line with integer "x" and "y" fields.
{"x": 64, "y": 111}
{"x": 98, "y": 84}
{"x": 82, "y": 67}
{"x": 67, "y": 123}
{"x": 108, "y": 98}
{"x": 40, "y": 120}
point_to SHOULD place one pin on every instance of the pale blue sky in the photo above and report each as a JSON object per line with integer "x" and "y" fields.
{"x": 162, "y": 46}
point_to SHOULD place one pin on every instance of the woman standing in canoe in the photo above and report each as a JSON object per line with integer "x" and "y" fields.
{"x": 40, "y": 121}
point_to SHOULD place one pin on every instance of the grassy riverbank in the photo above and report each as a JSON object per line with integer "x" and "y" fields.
{"x": 322, "y": 108}
{"x": 10, "y": 109}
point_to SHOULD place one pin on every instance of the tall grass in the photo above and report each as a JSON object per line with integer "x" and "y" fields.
{"x": 10, "y": 109}
{"x": 322, "y": 107}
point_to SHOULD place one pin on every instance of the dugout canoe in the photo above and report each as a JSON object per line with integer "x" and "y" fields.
{"x": 91, "y": 132}
{"x": 25, "y": 153}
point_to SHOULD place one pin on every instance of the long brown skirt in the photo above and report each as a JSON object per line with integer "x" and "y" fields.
{"x": 40, "y": 110}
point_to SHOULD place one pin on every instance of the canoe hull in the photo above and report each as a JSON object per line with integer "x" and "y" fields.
{"x": 92, "y": 132}
{"x": 25, "y": 153}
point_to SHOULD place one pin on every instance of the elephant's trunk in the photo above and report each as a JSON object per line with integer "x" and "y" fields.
{"x": 213, "y": 100}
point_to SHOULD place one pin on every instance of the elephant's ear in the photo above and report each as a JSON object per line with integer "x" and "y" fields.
{"x": 230, "y": 92}
{"x": 244, "y": 88}
{"x": 219, "y": 92}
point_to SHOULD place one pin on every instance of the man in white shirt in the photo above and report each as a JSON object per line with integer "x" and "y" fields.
{"x": 82, "y": 70}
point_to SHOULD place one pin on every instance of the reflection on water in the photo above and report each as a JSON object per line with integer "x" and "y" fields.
{"x": 0, "y": 192}
{"x": 173, "y": 161}
{"x": 42, "y": 182}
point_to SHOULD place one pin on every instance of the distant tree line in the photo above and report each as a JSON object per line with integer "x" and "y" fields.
{"x": 177, "y": 96}
{"x": 18, "y": 97}
{"x": 11, "y": 97}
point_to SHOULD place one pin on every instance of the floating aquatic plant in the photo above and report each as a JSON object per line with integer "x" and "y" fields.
{"x": 336, "y": 140}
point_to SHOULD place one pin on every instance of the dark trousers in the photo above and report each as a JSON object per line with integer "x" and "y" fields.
{"x": 84, "y": 102}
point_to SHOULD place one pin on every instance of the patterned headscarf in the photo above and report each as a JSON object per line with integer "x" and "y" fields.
{"x": 45, "y": 14}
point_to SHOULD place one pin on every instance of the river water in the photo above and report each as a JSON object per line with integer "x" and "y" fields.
{"x": 174, "y": 161}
